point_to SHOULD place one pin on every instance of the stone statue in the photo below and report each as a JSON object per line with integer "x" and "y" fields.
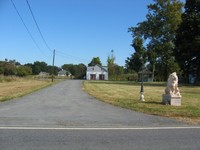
{"x": 172, "y": 85}
{"x": 172, "y": 95}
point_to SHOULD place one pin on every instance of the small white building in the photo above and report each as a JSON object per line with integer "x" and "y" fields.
{"x": 64, "y": 73}
{"x": 97, "y": 72}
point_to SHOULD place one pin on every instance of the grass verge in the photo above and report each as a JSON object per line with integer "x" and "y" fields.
{"x": 13, "y": 87}
{"x": 126, "y": 95}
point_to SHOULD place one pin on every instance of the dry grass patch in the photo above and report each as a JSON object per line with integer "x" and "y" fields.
{"x": 126, "y": 94}
{"x": 19, "y": 87}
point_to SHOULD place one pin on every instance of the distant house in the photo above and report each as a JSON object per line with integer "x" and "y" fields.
{"x": 43, "y": 75}
{"x": 64, "y": 73}
{"x": 147, "y": 75}
{"x": 97, "y": 72}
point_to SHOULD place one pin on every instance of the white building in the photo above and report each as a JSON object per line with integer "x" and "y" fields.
{"x": 64, "y": 73}
{"x": 97, "y": 72}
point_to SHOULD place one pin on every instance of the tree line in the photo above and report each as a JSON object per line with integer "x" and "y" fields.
{"x": 12, "y": 67}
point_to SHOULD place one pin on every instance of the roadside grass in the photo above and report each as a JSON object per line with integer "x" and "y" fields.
{"x": 12, "y": 87}
{"x": 127, "y": 94}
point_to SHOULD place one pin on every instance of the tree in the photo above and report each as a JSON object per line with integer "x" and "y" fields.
{"x": 51, "y": 68}
{"x": 95, "y": 61}
{"x": 111, "y": 63}
{"x": 78, "y": 71}
{"x": 188, "y": 40}
{"x": 23, "y": 71}
{"x": 1, "y": 67}
{"x": 70, "y": 68}
{"x": 9, "y": 69}
{"x": 159, "y": 30}
{"x": 38, "y": 67}
{"x": 138, "y": 58}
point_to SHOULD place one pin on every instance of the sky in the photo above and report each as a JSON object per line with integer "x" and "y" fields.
{"x": 78, "y": 30}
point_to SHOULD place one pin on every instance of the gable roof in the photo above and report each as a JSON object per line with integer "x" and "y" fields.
{"x": 96, "y": 67}
{"x": 63, "y": 72}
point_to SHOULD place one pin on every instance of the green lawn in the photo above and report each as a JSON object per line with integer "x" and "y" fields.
{"x": 127, "y": 94}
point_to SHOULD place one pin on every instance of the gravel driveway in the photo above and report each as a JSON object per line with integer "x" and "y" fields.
{"x": 67, "y": 105}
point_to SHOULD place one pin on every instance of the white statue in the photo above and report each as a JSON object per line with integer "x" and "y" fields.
{"x": 172, "y": 95}
{"x": 172, "y": 85}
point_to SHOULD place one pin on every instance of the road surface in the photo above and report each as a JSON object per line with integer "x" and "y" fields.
{"x": 67, "y": 105}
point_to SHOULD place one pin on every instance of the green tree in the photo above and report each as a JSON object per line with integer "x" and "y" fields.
{"x": 138, "y": 58}
{"x": 1, "y": 67}
{"x": 78, "y": 71}
{"x": 95, "y": 61}
{"x": 23, "y": 71}
{"x": 159, "y": 30}
{"x": 38, "y": 67}
{"x": 70, "y": 68}
{"x": 9, "y": 69}
{"x": 188, "y": 40}
{"x": 51, "y": 68}
{"x": 111, "y": 63}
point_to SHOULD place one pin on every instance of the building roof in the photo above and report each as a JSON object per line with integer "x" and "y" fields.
{"x": 63, "y": 72}
{"x": 95, "y": 68}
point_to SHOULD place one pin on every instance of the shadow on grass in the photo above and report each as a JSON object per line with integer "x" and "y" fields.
{"x": 134, "y": 83}
{"x": 157, "y": 103}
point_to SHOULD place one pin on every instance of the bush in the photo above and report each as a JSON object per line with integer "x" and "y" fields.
{"x": 23, "y": 71}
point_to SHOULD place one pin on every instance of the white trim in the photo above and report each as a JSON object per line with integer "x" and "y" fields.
{"x": 123, "y": 128}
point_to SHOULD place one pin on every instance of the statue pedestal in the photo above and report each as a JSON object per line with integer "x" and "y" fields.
{"x": 173, "y": 100}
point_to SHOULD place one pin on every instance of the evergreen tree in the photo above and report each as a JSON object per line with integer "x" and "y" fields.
{"x": 188, "y": 40}
{"x": 137, "y": 59}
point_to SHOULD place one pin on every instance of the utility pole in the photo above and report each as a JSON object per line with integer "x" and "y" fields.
{"x": 142, "y": 83}
{"x": 53, "y": 65}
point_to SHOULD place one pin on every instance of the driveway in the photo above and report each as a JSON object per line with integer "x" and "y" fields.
{"x": 67, "y": 105}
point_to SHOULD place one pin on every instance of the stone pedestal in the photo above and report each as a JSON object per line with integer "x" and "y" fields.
{"x": 173, "y": 100}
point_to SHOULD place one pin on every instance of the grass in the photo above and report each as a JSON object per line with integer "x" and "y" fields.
{"x": 12, "y": 87}
{"x": 126, "y": 95}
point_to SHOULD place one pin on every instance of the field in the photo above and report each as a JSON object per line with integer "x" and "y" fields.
{"x": 127, "y": 94}
{"x": 12, "y": 87}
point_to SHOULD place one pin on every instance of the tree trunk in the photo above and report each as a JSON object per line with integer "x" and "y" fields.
{"x": 197, "y": 81}
{"x": 153, "y": 70}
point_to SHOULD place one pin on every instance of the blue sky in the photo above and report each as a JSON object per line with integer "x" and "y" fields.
{"x": 77, "y": 29}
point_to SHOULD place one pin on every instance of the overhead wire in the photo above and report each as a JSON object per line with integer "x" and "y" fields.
{"x": 71, "y": 56}
{"x": 44, "y": 38}
{"x": 38, "y": 26}
{"x": 58, "y": 52}
{"x": 34, "y": 41}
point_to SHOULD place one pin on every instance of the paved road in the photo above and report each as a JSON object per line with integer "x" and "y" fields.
{"x": 67, "y": 105}
{"x": 161, "y": 139}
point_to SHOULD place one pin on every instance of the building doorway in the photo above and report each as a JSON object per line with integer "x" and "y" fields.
{"x": 101, "y": 77}
{"x": 92, "y": 76}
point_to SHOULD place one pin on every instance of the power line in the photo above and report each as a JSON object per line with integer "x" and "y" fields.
{"x": 59, "y": 52}
{"x": 73, "y": 57}
{"x": 37, "y": 25}
{"x": 34, "y": 41}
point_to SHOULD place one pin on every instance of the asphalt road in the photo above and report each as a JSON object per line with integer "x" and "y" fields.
{"x": 143, "y": 139}
{"x": 67, "y": 105}
{"x": 64, "y": 117}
